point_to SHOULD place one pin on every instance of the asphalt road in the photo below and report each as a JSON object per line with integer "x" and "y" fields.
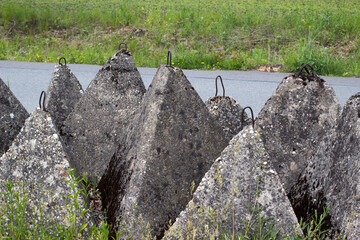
{"x": 248, "y": 88}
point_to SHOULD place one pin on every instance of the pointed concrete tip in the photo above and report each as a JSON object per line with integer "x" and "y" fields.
{"x": 12, "y": 117}
{"x": 121, "y": 61}
{"x": 63, "y": 93}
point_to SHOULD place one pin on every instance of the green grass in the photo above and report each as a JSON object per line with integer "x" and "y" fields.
{"x": 18, "y": 221}
{"x": 222, "y": 34}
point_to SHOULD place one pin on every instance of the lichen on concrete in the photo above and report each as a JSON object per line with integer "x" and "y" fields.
{"x": 36, "y": 163}
{"x": 240, "y": 187}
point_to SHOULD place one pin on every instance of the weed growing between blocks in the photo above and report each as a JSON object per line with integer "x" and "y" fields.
{"x": 17, "y": 219}
{"x": 206, "y": 222}
{"x": 203, "y": 222}
{"x": 21, "y": 219}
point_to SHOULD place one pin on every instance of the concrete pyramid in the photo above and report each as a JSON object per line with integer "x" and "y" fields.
{"x": 12, "y": 117}
{"x": 63, "y": 93}
{"x": 332, "y": 176}
{"x": 92, "y": 131}
{"x": 173, "y": 142}
{"x": 297, "y": 116}
{"x": 37, "y": 163}
{"x": 240, "y": 187}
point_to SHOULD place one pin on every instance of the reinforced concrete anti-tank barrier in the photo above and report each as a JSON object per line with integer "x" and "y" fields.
{"x": 152, "y": 149}
{"x": 37, "y": 164}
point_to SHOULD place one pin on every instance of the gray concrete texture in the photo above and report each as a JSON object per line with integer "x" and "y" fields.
{"x": 240, "y": 186}
{"x": 332, "y": 176}
{"x": 63, "y": 93}
{"x": 298, "y": 119}
{"x": 293, "y": 121}
{"x": 36, "y": 163}
{"x": 172, "y": 144}
{"x": 92, "y": 131}
{"x": 228, "y": 113}
{"x": 12, "y": 117}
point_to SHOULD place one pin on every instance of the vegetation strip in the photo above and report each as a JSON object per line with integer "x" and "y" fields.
{"x": 224, "y": 34}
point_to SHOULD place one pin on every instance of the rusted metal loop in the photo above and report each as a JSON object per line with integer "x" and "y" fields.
{"x": 222, "y": 84}
{"x": 168, "y": 62}
{"x": 308, "y": 68}
{"x": 61, "y": 59}
{"x": 42, "y": 102}
{"x": 242, "y": 117}
{"x": 305, "y": 66}
{"x": 312, "y": 71}
{"x": 122, "y": 43}
{"x": 302, "y": 67}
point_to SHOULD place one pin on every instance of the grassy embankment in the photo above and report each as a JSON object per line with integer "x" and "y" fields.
{"x": 221, "y": 34}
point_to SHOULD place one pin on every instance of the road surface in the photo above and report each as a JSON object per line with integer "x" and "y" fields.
{"x": 248, "y": 88}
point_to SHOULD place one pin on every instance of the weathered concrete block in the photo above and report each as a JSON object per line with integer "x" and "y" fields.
{"x": 239, "y": 188}
{"x": 307, "y": 195}
{"x": 63, "y": 93}
{"x": 293, "y": 121}
{"x": 332, "y": 175}
{"x": 228, "y": 114}
{"x": 12, "y": 117}
{"x": 172, "y": 144}
{"x": 36, "y": 163}
{"x": 92, "y": 131}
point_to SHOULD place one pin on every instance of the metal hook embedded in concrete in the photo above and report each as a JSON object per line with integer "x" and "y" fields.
{"x": 314, "y": 75}
{"x": 43, "y": 93}
{"x": 168, "y": 63}
{"x": 222, "y": 84}
{"x": 308, "y": 68}
{"x": 302, "y": 67}
{"x": 122, "y": 43}
{"x": 242, "y": 117}
{"x": 61, "y": 59}
{"x": 312, "y": 71}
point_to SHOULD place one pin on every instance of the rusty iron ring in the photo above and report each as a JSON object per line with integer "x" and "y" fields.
{"x": 61, "y": 59}
{"x": 43, "y": 93}
{"x": 242, "y": 117}
{"x": 222, "y": 84}
{"x": 309, "y": 68}
{"x": 302, "y": 67}
{"x": 168, "y": 63}
{"x": 124, "y": 45}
